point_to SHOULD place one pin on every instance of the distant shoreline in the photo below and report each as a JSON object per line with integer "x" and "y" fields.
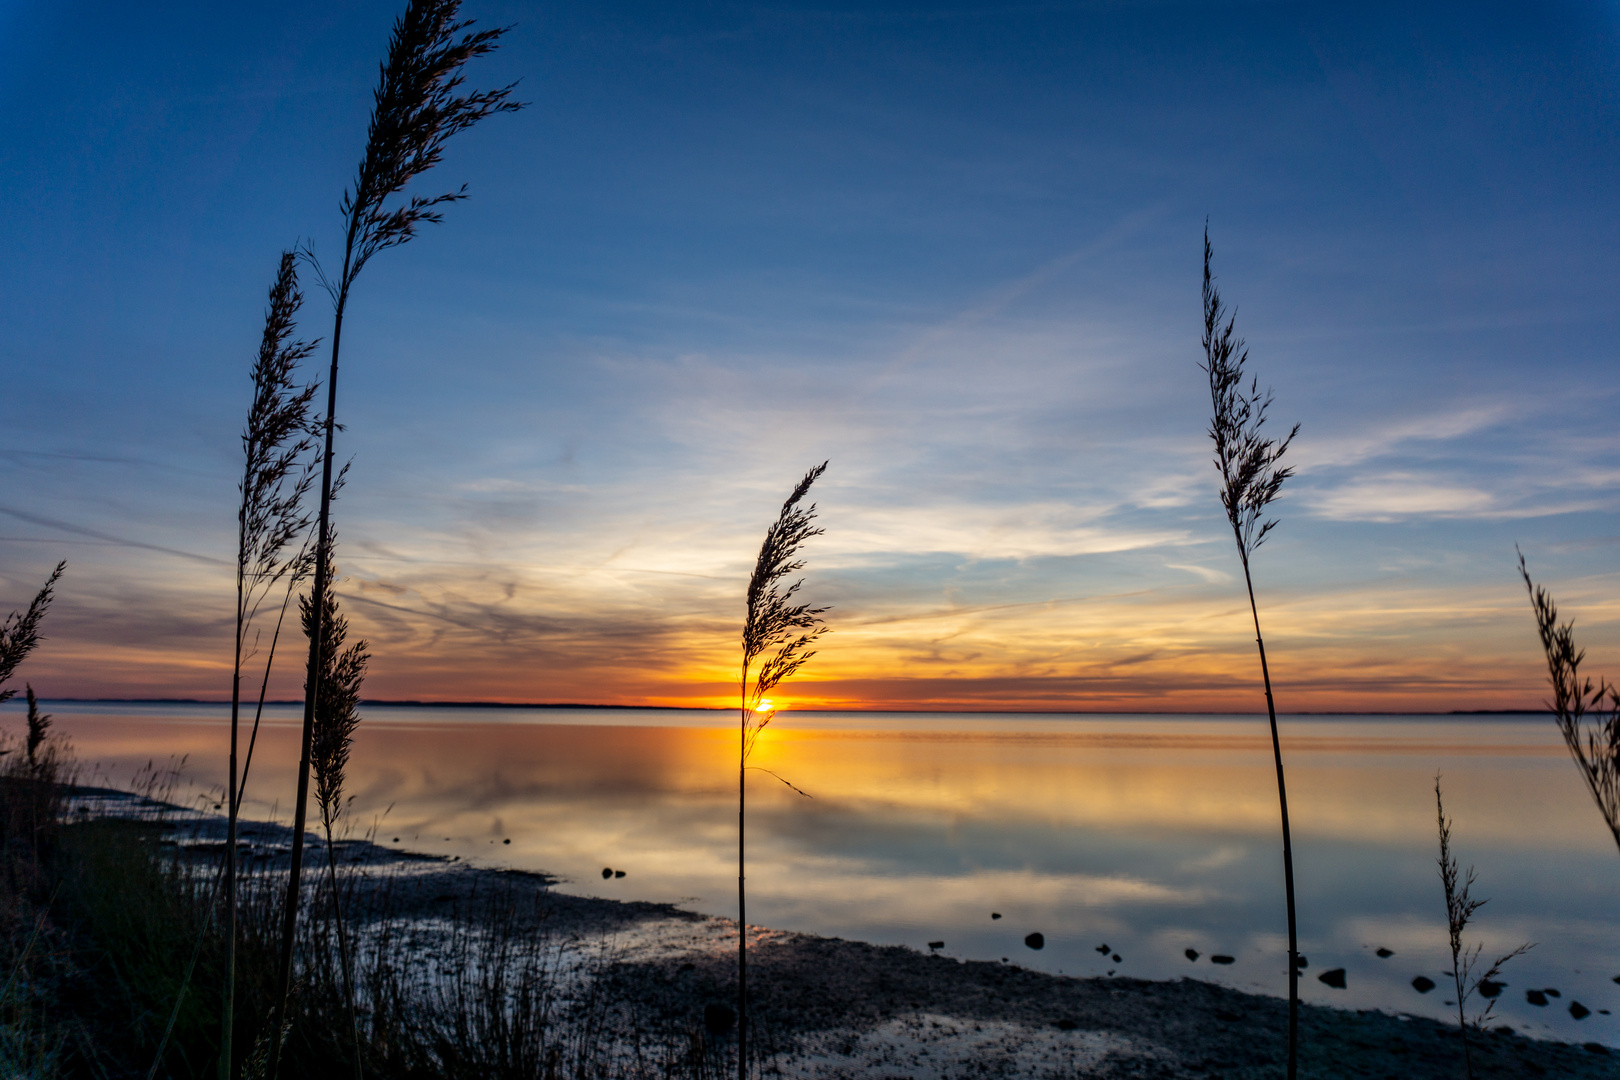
{"x": 415, "y": 704}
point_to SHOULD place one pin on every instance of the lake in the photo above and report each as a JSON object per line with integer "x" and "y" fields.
{"x": 1150, "y": 834}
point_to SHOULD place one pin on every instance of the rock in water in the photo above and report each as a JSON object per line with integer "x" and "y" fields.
{"x": 1536, "y": 998}
{"x": 1218, "y": 959}
{"x": 607, "y": 872}
{"x": 1116, "y": 959}
{"x": 997, "y": 915}
{"x": 936, "y": 944}
{"x": 1104, "y": 949}
{"x": 719, "y": 1019}
{"x": 1550, "y": 992}
{"x": 1579, "y": 1011}
{"x": 1037, "y": 940}
{"x": 1423, "y": 984}
{"x": 1489, "y": 988}
{"x": 618, "y": 873}
{"x": 1334, "y": 978}
{"x": 1385, "y": 954}
{"x": 1301, "y": 963}
{"x": 1066, "y": 1024}
{"x": 1192, "y": 954}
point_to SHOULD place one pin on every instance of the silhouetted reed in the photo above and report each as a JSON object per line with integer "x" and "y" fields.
{"x": 276, "y": 477}
{"x": 1460, "y": 908}
{"x": 19, "y": 634}
{"x": 337, "y": 714}
{"x": 1250, "y": 480}
{"x": 416, "y": 108}
{"x": 38, "y": 725}
{"x": 773, "y": 625}
{"x": 1588, "y": 714}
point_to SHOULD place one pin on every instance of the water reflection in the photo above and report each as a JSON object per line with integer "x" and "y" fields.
{"x": 1150, "y": 834}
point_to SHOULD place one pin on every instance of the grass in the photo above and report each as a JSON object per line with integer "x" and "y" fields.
{"x": 417, "y": 108}
{"x": 276, "y": 477}
{"x": 1460, "y": 909}
{"x": 1250, "y": 480}
{"x": 777, "y": 634}
{"x": 1588, "y": 713}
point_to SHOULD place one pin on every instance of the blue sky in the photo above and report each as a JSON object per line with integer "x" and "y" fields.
{"x": 954, "y": 249}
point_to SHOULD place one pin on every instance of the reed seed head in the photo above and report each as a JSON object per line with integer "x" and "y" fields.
{"x": 774, "y": 624}
{"x": 1247, "y": 460}
{"x": 415, "y": 110}
{"x": 337, "y": 704}
{"x": 19, "y": 634}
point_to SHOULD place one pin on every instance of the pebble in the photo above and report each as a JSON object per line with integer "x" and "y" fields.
{"x": 1036, "y": 940}
{"x": 1218, "y": 959}
{"x": 1490, "y": 989}
{"x": 1192, "y": 954}
{"x": 607, "y": 872}
{"x": 1579, "y": 1011}
{"x": 1334, "y": 978}
{"x": 1423, "y": 984}
{"x": 1536, "y": 998}
{"x": 936, "y": 944}
{"x": 618, "y": 873}
{"x": 1116, "y": 959}
{"x": 1385, "y": 954}
{"x": 995, "y": 914}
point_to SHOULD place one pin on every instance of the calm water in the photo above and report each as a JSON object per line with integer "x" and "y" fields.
{"x": 1151, "y": 834}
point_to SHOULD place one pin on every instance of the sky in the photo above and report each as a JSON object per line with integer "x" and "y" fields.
{"x": 952, "y": 249}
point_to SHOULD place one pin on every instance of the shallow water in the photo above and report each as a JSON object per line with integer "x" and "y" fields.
{"x": 1152, "y": 834}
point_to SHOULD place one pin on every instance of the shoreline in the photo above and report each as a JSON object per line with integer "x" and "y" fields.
{"x": 825, "y": 1008}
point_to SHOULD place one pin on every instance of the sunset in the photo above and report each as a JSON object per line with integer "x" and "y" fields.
{"x": 541, "y": 312}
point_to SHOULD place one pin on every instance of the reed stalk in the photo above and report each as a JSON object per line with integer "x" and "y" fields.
{"x": 1460, "y": 908}
{"x": 1250, "y": 480}
{"x": 416, "y": 108}
{"x": 276, "y": 478}
{"x": 337, "y": 714}
{"x": 774, "y": 624}
{"x": 1587, "y": 713}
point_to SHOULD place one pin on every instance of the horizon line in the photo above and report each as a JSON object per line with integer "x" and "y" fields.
{"x": 416, "y": 703}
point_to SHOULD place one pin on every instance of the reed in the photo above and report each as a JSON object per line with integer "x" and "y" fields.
{"x": 774, "y": 625}
{"x": 276, "y": 477}
{"x": 1250, "y": 479}
{"x": 1587, "y": 713}
{"x": 19, "y": 634}
{"x": 416, "y": 108}
{"x": 337, "y": 714}
{"x": 1460, "y": 908}
{"x": 38, "y": 725}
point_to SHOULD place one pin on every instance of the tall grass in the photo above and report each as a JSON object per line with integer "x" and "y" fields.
{"x": 1250, "y": 480}
{"x": 19, "y": 634}
{"x": 276, "y": 477}
{"x": 416, "y": 108}
{"x": 1588, "y": 713}
{"x": 337, "y": 714}
{"x": 785, "y": 630}
{"x": 1460, "y": 908}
